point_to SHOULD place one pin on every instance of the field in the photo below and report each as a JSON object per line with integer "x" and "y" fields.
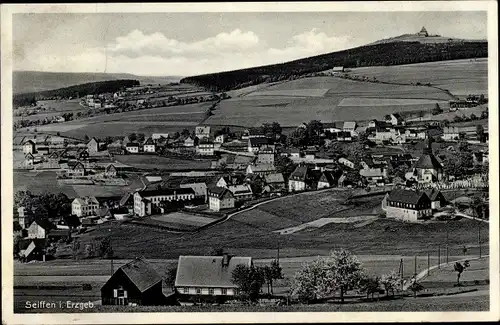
{"x": 46, "y": 181}
{"x": 460, "y": 77}
{"x": 159, "y": 162}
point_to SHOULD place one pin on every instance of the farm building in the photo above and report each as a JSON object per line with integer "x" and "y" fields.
{"x": 338, "y": 69}
{"x": 29, "y": 147}
{"x": 158, "y": 136}
{"x": 395, "y": 119}
{"x": 132, "y": 147}
{"x": 274, "y": 183}
{"x": 233, "y": 179}
{"x": 437, "y": 198}
{"x": 241, "y": 192}
{"x": 253, "y": 133}
{"x": 255, "y": 144}
{"x": 189, "y": 142}
{"x": 40, "y": 229}
{"x": 75, "y": 169}
{"x": 149, "y": 145}
{"x": 202, "y": 132}
{"x": 146, "y": 201}
{"x": 326, "y": 180}
{"x": 93, "y": 145}
{"x": 85, "y": 206}
{"x": 135, "y": 283}
{"x": 110, "y": 171}
{"x": 407, "y": 205}
{"x": 221, "y": 138}
{"x": 32, "y": 249}
{"x": 262, "y": 169}
{"x": 220, "y": 198}
{"x": 208, "y": 277}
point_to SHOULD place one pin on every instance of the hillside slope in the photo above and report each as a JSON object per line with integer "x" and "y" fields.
{"x": 384, "y": 54}
{"x": 36, "y": 81}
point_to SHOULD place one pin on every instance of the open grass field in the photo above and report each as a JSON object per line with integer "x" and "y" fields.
{"x": 460, "y": 77}
{"x": 184, "y": 218}
{"x": 159, "y": 162}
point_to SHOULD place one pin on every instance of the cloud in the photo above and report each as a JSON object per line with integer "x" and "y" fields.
{"x": 155, "y": 54}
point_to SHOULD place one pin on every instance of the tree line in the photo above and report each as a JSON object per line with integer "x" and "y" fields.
{"x": 394, "y": 53}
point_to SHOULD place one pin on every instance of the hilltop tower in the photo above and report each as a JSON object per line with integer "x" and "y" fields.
{"x": 423, "y": 32}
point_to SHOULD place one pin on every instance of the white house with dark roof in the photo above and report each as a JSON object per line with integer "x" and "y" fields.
{"x": 202, "y": 132}
{"x": 149, "y": 145}
{"x": 298, "y": 179}
{"x": 254, "y": 144}
{"x": 241, "y": 192}
{"x": 220, "y": 198}
{"x": 274, "y": 182}
{"x": 146, "y": 200}
{"x": 208, "y": 276}
{"x": 29, "y": 147}
{"x": 261, "y": 169}
{"x": 407, "y": 205}
{"x": 93, "y": 145}
{"x": 132, "y": 147}
{"x": 84, "y": 206}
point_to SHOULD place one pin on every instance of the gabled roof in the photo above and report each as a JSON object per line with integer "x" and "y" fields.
{"x": 434, "y": 194}
{"x": 207, "y": 271}
{"x": 110, "y": 166}
{"x": 240, "y": 189}
{"x": 28, "y": 142}
{"x": 44, "y": 223}
{"x": 300, "y": 173}
{"x": 125, "y": 198}
{"x": 220, "y": 192}
{"x": 132, "y": 144}
{"x": 141, "y": 274}
{"x": 327, "y": 177}
{"x": 86, "y": 200}
{"x": 255, "y": 142}
{"x": 149, "y": 141}
{"x": 349, "y": 125}
{"x": 406, "y": 196}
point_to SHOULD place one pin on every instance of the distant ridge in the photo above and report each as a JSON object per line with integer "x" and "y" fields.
{"x": 36, "y": 81}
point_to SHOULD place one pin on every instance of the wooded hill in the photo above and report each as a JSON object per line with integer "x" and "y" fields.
{"x": 393, "y": 53}
{"x": 90, "y": 88}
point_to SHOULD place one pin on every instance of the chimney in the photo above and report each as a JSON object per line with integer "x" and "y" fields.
{"x": 225, "y": 260}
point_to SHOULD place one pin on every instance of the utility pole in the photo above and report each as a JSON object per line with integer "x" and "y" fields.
{"x": 479, "y": 238}
{"x": 428, "y": 263}
{"x": 415, "y": 271}
{"x": 278, "y": 256}
{"x": 439, "y": 257}
{"x": 447, "y": 236}
{"x": 401, "y": 273}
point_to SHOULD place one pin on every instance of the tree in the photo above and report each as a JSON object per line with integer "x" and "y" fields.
{"x": 17, "y": 226}
{"x": 170, "y": 278}
{"x": 72, "y": 221}
{"x": 140, "y": 137}
{"x": 437, "y": 110}
{"x": 86, "y": 138}
{"x": 313, "y": 132}
{"x": 298, "y": 137}
{"x": 370, "y": 285}
{"x": 75, "y": 247}
{"x": 275, "y": 273}
{"x": 185, "y": 133}
{"x": 484, "y": 114}
{"x": 480, "y": 132}
{"x": 416, "y": 287}
{"x": 473, "y": 117}
{"x": 105, "y": 248}
{"x": 216, "y": 251}
{"x": 89, "y": 251}
{"x": 249, "y": 280}
{"x": 16, "y": 248}
{"x": 284, "y": 165}
{"x": 343, "y": 273}
{"x": 391, "y": 282}
{"x": 132, "y": 137}
{"x": 460, "y": 268}
{"x": 305, "y": 283}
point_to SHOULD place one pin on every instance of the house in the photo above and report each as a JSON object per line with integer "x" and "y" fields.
{"x": 395, "y": 119}
{"x": 326, "y": 180}
{"x": 234, "y": 179}
{"x": 350, "y": 127}
{"x": 110, "y": 171}
{"x": 346, "y": 162}
{"x": 205, "y": 148}
{"x": 265, "y": 156}
{"x": 298, "y": 179}
{"x": 132, "y": 147}
{"x": 93, "y": 146}
{"x": 84, "y": 206}
{"x": 253, "y": 133}
{"x": 338, "y": 69}
{"x": 437, "y": 198}
{"x": 199, "y": 189}
{"x": 208, "y": 277}
{"x": 407, "y": 205}
{"x": 220, "y": 198}
{"x": 374, "y": 176}
{"x": 145, "y": 201}
{"x": 254, "y": 144}
{"x": 189, "y": 142}
{"x": 275, "y": 182}
{"x": 127, "y": 201}
{"x": 25, "y": 217}
{"x": 202, "y": 132}
{"x": 241, "y": 192}
{"x": 32, "y": 249}
{"x": 415, "y": 133}
{"x": 29, "y": 147}
{"x": 423, "y": 32}
{"x": 135, "y": 283}
{"x": 40, "y": 229}
{"x": 29, "y": 160}
{"x": 158, "y": 136}
{"x": 221, "y": 138}
{"x": 75, "y": 169}
{"x": 149, "y": 145}
{"x": 261, "y": 169}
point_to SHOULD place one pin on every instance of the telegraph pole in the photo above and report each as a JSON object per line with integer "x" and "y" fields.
{"x": 439, "y": 257}
{"x": 479, "y": 238}
{"x": 428, "y": 263}
{"x": 415, "y": 271}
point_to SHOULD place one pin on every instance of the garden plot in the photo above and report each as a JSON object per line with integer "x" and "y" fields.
{"x": 184, "y": 219}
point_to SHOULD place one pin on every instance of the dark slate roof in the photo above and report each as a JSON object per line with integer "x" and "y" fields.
{"x": 220, "y": 191}
{"x": 132, "y": 144}
{"x": 125, "y": 198}
{"x": 406, "y": 196}
{"x": 44, "y": 223}
{"x": 327, "y": 177}
{"x": 207, "y": 271}
{"x": 428, "y": 161}
{"x": 25, "y": 242}
{"x": 255, "y": 142}
{"x": 166, "y": 191}
{"x": 433, "y": 194}
{"x": 299, "y": 173}
{"x": 142, "y": 275}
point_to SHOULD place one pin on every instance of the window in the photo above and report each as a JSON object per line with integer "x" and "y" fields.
{"x": 224, "y": 291}
{"x": 198, "y": 291}
{"x": 211, "y": 291}
{"x": 185, "y": 290}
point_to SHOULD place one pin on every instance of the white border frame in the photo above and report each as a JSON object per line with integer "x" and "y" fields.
{"x": 8, "y": 317}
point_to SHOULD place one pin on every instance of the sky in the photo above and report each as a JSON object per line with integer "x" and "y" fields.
{"x": 184, "y": 44}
